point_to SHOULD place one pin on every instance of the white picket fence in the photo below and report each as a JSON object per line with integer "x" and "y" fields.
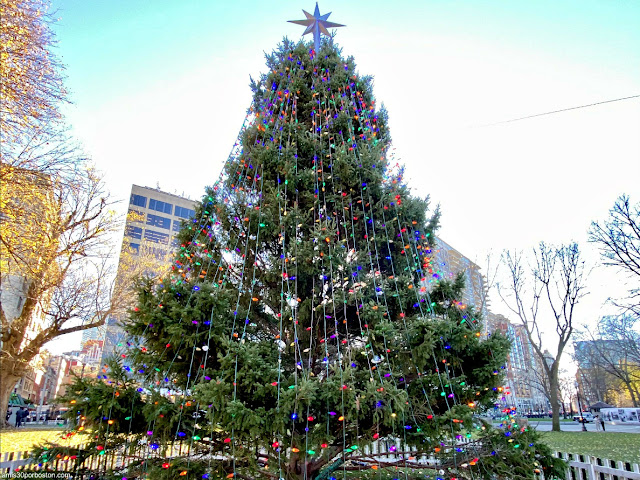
{"x": 388, "y": 451}
{"x": 586, "y": 467}
{"x": 581, "y": 467}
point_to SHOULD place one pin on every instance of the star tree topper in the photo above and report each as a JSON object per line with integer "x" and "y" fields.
{"x": 317, "y": 24}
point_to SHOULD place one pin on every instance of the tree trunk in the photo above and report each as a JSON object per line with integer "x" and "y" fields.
{"x": 632, "y": 393}
{"x": 7, "y": 383}
{"x": 553, "y": 398}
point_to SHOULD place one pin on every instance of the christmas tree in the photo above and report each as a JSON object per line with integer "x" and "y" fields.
{"x": 304, "y": 332}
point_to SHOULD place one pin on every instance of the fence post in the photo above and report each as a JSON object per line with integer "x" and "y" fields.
{"x": 565, "y": 456}
{"x": 607, "y": 463}
{"x": 591, "y": 472}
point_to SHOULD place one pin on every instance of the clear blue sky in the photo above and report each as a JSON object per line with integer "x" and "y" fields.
{"x": 160, "y": 91}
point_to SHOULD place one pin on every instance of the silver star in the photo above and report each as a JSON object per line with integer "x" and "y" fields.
{"x": 317, "y": 24}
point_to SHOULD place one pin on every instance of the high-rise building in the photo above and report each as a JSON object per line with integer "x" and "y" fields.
{"x": 153, "y": 219}
{"x": 524, "y": 377}
{"x": 448, "y": 262}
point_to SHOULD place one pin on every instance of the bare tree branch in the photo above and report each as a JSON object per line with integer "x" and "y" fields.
{"x": 619, "y": 240}
{"x": 558, "y": 276}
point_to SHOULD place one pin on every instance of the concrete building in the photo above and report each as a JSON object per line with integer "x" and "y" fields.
{"x": 59, "y": 365}
{"x": 601, "y": 366}
{"x": 523, "y": 376}
{"x": 91, "y": 353}
{"x": 448, "y": 262}
{"x": 154, "y": 219}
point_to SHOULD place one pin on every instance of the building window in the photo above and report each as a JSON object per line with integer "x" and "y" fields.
{"x": 184, "y": 212}
{"x": 157, "y": 237}
{"x": 158, "y": 221}
{"x": 135, "y": 215}
{"x": 138, "y": 200}
{"x": 177, "y": 225}
{"x": 135, "y": 247}
{"x": 133, "y": 232}
{"x": 159, "y": 206}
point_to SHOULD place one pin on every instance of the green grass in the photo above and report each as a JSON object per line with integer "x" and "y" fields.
{"x": 612, "y": 445}
{"x": 24, "y": 439}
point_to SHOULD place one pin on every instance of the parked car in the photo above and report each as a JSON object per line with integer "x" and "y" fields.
{"x": 586, "y": 417}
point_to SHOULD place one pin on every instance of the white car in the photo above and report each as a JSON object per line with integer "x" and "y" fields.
{"x": 586, "y": 417}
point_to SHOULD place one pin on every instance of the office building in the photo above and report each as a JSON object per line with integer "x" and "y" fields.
{"x": 154, "y": 217}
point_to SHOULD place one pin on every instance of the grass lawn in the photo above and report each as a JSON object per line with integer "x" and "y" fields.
{"x": 614, "y": 446}
{"x": 23, "y": 439}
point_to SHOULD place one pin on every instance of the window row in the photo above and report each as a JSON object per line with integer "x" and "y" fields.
{"x": 184, "y": 212}
{"x": 154, "y": 221}
{"x": 159, "y": 206}
{"x": 158, "y": 221}
{"x": 159, "y": 253}
{"x": 138, "y": 200}
{"x": 154, "y": 236}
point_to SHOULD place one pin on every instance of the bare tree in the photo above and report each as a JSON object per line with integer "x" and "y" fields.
{"x": 565, "y": 390}
{"x": 56, "y": 276}
{"x": 596, "y": 383}
{"x": 619, "y": 240}
{"x": 613, "y": 353}
{"x": 556, "y": 278}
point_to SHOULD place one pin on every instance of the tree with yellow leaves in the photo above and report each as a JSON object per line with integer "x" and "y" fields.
{"x": 31, "y": 75}
{"x": 57, "y": 222}
{"x": 57, "y": 272}
{"x": 33, "y": 135}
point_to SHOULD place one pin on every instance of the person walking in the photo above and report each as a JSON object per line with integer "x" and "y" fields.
{"x": 597, "y": 422}
{"x": 19, "y": 417}
{"x": 602, "y": 424}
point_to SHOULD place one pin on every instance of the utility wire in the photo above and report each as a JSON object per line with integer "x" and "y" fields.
{"x": 558, "y": 111}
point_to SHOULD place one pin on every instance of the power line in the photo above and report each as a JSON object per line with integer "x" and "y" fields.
{"x": 562, "y": 110}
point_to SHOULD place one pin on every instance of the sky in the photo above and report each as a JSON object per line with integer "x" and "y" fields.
{"x": 160, "y": 90}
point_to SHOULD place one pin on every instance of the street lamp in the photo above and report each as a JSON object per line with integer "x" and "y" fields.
{"x": 580, "y": 418}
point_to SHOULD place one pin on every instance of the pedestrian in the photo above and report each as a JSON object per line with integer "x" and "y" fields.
{"x": 602, "y": 424}
{"x": 597, "y": 422}
{"x": 19, "y": 417}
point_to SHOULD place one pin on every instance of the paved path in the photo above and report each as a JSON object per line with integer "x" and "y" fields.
{"x": 575, "y": 426}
